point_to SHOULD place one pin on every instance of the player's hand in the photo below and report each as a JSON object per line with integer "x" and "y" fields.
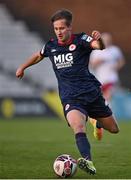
{"x": 96, "y": 35}
{"x": 19, "y": 73}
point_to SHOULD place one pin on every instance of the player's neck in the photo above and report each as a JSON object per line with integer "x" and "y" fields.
{"x": 68, "y": 41}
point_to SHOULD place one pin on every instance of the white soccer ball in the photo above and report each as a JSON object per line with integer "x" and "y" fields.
{"x": 65, "y": 166}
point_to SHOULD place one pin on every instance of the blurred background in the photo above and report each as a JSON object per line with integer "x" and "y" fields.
{"x": 25, "y": 27}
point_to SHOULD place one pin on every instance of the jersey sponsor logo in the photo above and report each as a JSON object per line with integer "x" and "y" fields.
{"x": 63, "y": 60}
{"x": 86, "y": 38}
{"x": 72, "y": 47}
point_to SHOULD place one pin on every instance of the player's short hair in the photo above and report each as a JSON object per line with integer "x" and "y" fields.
{"x": 62, "y": 14}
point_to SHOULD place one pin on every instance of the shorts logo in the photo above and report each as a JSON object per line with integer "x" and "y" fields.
{"x": 67, "y": 107}
{"x": 72, "y": 47}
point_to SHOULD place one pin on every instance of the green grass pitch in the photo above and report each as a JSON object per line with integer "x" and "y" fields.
{"x": 28, "y": 148}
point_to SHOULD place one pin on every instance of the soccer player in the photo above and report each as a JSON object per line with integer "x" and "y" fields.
{"x": 106, "y": 65}
{"x": 79, "y": 90}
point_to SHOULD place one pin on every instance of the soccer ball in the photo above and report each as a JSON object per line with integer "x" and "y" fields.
{"x": 65, "y": 166}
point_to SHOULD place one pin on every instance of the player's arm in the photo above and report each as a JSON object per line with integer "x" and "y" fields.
{"x": 97, "y": 42}
{"x": 34, "y": 59}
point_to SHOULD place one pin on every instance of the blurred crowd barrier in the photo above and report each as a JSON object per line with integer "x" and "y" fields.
{"x": 49, "y": 105}
{"x": 24, "y": 107}
{"x": 121, "y": 105}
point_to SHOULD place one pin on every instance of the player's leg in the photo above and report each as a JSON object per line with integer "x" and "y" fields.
{"x": 107, "y": 90}
{"x": 98, "y": 129}
{"x": 77, "y": 122}
{"x": 109, "y": 123}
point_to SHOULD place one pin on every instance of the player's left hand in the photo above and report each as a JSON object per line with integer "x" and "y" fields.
{"x": 96, "y": 35}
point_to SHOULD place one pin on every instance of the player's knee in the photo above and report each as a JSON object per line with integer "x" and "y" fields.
{"x": 79, "y": 129}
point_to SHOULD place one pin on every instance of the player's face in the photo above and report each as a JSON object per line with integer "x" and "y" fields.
{"x": 62, "y": 31}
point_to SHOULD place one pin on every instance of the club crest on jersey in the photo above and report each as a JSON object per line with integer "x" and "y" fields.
{"x": 72, "y": 47}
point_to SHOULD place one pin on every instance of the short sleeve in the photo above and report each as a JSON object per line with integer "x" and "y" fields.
{"x": 44, "y": 51}
{"x": 85, "y": 41}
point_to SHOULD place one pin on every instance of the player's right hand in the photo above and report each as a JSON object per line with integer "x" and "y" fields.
{"x": 19, "y": 73}
{"x": 96, "y": 35}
